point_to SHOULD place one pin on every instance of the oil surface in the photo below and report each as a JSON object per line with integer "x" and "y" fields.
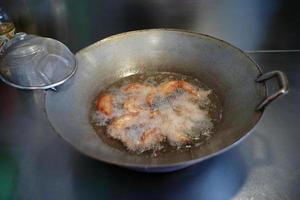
{"x": 212, "y": 106}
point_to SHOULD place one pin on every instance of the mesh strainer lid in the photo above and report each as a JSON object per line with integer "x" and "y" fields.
{"x": 33, "y": 62}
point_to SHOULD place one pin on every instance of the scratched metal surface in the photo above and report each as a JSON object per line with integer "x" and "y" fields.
{"x": 36, "y": 164}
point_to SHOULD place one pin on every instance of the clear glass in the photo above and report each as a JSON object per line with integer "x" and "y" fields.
{"x": 33, "y": 62}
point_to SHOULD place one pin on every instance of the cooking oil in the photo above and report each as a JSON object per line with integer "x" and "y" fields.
{"x": 155, "y": 79}
{"x": 7, "y": 28}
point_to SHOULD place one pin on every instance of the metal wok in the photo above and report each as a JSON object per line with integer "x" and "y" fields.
{"x": 236, "y": 79}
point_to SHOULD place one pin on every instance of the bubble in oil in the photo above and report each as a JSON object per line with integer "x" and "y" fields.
{"x": 195, "y": 119}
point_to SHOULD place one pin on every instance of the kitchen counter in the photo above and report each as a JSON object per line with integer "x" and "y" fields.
{"x": 35, "y": 163}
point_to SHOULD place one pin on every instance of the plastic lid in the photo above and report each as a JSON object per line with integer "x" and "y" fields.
{"x": 33, "y": 62}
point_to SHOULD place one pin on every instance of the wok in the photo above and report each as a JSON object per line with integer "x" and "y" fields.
{"x": 235, "y": 77}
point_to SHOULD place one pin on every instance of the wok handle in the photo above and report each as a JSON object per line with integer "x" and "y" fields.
{"x": 283, "y": 84}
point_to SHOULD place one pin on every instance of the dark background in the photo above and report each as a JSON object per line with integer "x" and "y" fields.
{"x": 248, "y": 24}
{"x": 35, "y": 163}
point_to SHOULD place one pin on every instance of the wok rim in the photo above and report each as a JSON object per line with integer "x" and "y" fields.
{"x": 181, "y": 164}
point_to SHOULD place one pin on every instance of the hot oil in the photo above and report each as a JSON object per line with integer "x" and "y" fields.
{"x": 6, "y": 28}
{"x": 155, "y": 79}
